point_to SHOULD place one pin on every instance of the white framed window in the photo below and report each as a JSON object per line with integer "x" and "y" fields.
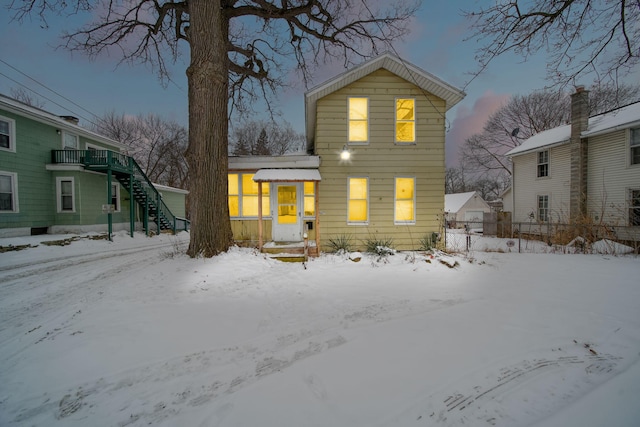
{"x": 70, "y": 141}
{"x": 358, "y": 112}
{"x": 357, "y": 200}
{"x": 405, "y": 121}
{"x": 243, "y": 196}
{"x": 7, "y": 134}
{"x": 115, "y": 196}
{"x": 634, "y": 146}
{"x": 543, "y": 208}
{"x": 405, "y": 200}
{"x": 543, "y": 164}
{"x": 65, "y": 194}
{"x": 8, "y": 192}
{"x": 634, "y": 207}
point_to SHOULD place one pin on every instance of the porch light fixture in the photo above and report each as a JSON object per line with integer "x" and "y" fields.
{"x": 345, "y": 154}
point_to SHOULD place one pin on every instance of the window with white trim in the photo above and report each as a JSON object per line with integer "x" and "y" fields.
{"x": 309, "y": 198}
{"x": 243, "y": 196}
{"x": 634, "y": 207}
{"x": 358, "y": 200}
{"x": 70, "y": 141}
{"x": 543, "y": 208}
{"x": 634, "y": 146}
{"x": 7, "y": 134}
{"x": 65, "y": 194}
{"x": 358, "y": 120}
{"x": 405, "y": 120}
{"x": 8, "y": 192}
{"x": 543, "y": 164}
{"x": 115, "y": 196}
{"x": 405, "y": 201}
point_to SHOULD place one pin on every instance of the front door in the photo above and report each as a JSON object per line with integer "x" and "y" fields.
{"x": 287, "y": 215}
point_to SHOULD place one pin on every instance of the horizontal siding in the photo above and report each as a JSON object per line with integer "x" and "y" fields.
{"x": 527, "y": 186}
{"x": 610, "y": 177}
{"x": 381, "y": 161}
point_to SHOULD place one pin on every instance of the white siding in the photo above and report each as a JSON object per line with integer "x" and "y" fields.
{"x": 527, "y": 186}
{"x": 610, "y": 177}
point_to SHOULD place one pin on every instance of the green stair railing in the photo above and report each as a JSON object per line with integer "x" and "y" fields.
{"x": 132, "y": 177}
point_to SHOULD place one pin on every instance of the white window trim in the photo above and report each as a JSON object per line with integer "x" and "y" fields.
{"x": 548, "y": 175}
{"x": 116, "y": 195}
{"x": 62, "y": 138}
{"x": 395, "y": 199}
{"x": 265, "y": 215}
{"x": 12, "y": 135}
{"x": 349, "y": 142}
{"x": 14, "y": 192}
{"x": 548, "y": 207}
{"x": 349, "y": 199}
{"x": 632, "y": 165}
{"x": 629, "y": 192}
{"x": 395, "y": 121}
{"x": 59, "y": 180}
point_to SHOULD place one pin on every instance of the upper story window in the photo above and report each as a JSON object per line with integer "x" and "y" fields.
{"x": 543, "y": 208}
{"x": 7, "y": 134}
{"x": 358, "y": 120}
{"x": 8, "y": 192}
{"x": 634, "y": 143}
{"x": 243, "y": 196}
{"x": 70, "y": 141}
{"x": 543, "y": 163}
{"x": 405, "y": 201}
{"x": 405, "y": 120}
{"x": 358, "y": 200}
{"x": 634, "y": 207}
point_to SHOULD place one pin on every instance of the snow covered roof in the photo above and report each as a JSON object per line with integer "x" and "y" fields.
{"x": 622, "y": 118}
{"x": 387, "y": 61}
{"x": 16, "y": 107}
{"x": 271, "y": 175}
{"x": 271, "y": 162}
{"x": 453, "y": 202}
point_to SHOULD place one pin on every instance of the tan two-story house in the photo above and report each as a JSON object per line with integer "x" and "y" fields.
{"x": 374, "y": 167}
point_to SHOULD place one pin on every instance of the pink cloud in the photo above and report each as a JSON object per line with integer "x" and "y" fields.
{"x": 469, "y": 121}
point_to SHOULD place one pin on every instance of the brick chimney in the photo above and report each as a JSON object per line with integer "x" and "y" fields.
{"x": 578, "y": 180}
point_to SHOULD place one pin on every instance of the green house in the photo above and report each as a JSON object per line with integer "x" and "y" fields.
{"x": 57, "y": 177}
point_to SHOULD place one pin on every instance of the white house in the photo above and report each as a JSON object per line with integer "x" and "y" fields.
{"x": 465, "y": 208}
{"x": 587, "y": 169}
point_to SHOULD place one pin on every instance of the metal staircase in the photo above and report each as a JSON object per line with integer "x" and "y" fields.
{"x": 129, "y": 174}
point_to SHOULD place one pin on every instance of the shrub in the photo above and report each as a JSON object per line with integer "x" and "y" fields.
{"x": 380, "y": 246}
{"x": 341, "y": 243}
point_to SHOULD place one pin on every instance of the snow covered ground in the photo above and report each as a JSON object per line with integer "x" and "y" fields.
{"x": 133, "y": 333}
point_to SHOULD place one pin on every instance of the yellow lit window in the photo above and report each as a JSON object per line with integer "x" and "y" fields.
{"x": 243, "y": 196}
{"x": 234, "y": 203}
{"x": 309, "y": 198}
{"x": 358, "y": 200}
{"x": 405, "y": 200}
{"x": 358, "y": 119}
{"x": 250, "y": 196}
{"x": 405, "y": 120}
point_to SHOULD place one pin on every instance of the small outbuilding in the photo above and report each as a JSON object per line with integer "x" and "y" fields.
{"x": 462, "y": 209}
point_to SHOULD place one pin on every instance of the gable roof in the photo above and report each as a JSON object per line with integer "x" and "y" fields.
{"x": 621, "y": 118}
{"x": 42, "y": 116}
{"x": 422, "y": 79}
{"x": 453, "y": 202}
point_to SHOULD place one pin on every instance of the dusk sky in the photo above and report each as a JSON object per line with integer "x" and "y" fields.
{"x": 436, "y": 44}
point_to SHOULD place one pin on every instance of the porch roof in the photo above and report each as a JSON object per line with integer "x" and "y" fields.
{"x": 287, "y": 175}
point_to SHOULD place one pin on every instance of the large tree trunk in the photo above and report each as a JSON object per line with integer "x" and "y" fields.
{"x": 208, "y": 129}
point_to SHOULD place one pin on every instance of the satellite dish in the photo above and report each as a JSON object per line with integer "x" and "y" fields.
{"x": 515, "y": 132}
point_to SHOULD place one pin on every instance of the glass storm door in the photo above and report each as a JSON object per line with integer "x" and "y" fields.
{"x": 287, "y": 223}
